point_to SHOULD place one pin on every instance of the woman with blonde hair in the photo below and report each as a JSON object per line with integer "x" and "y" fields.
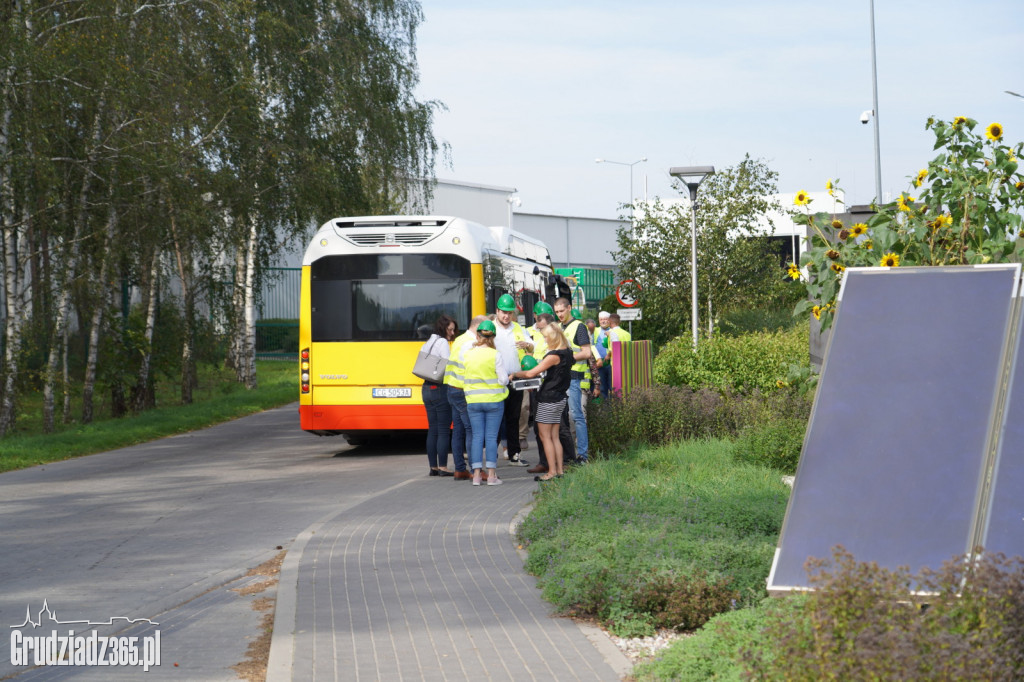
{"x": 551, "y": 395}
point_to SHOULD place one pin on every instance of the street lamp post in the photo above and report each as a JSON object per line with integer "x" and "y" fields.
{"x": 874, "y": 101}
{"x": 691, "y": 176}
{"x": 623, "y": 163}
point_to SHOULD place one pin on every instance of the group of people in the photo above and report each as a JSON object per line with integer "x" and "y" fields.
{"x": 477, "y": 405}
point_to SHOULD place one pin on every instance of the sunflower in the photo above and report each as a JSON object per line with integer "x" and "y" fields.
{"x": 921, "y": 175}
{"x": 959, "y": 121}
{"x": 857, "y": 229}
{"x": 838, "y": 268}
{"x": 890, "y": 260}
{"x": 779, "y": 383}
{"x": 994, "y": 132}
{"x": 830, "y": 187}
{"x": 802, "y": 198}
{"x": 793, "y": 271}
{"x": 904, "y": 201}
{"x": 816, "y": 311}
{"x": 943, "y": 220}
{"x": 868, "y": 244}
{"x": 832, "y": 254}
{"x": 837, "y": 224}
{"x": 1020, "y": 185}
{"x": 844, "y": 235}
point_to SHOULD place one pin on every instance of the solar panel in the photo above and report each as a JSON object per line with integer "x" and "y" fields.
{"x": 894, "y": 455}
{"x": 1004, "y": 527}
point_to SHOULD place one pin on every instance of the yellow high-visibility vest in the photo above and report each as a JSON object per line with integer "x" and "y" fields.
{"x": 481, "y": 382}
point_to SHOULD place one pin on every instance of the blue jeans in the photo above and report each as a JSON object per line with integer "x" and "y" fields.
{"x": 576, "y": 411}
{"x": 462, "y": 430}
{"x": 439, "y": 423}
{"x": 486, "y": 420}
{"x": 605, "y": 372}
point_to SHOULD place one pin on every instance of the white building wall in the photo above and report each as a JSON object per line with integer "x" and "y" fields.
{"x": 573, "y": 241}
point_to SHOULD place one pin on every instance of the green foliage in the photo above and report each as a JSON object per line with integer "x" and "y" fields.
{"x": 656, "y": 538}
{"x": 969, "y": 211}
{"x": 660, "y": 415}
{"x": 775, "y": 444}
{"x": 859, "y": 623}
{"x": 747, "y": 362}
{"x": 749, "y": 320}
{"x": 714, "y": 651}
{"x": 736, "y": 267}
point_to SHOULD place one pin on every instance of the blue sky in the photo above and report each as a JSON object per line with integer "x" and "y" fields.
{"x": 537, "y": 90}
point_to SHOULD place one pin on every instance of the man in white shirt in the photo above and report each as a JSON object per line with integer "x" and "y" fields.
{"x": 511, "y": 340}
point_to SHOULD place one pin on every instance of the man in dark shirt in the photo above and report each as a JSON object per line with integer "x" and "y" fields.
{"x": 579, "y": 342}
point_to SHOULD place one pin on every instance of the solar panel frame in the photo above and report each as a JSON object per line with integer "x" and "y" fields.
{"x": 855, "y": 500}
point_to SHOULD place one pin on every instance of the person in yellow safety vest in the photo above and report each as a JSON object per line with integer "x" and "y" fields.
{"x": 580, "y": 344}
{"x": 615, "y": 333}
{"x": 513, "y": 344}
{"x": 485, "y": 382}
{"x": 462, "y": 431}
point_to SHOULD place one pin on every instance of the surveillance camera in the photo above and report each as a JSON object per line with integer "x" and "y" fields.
{"x": 866, "y": 116}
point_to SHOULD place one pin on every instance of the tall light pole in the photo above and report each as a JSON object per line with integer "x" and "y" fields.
{"x": 874, "y": 100}
{"x": 691, "y": 176}
{"x": 623, "y": 163}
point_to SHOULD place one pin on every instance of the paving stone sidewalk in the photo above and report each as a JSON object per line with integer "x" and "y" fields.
{"x": 424, "y": 582}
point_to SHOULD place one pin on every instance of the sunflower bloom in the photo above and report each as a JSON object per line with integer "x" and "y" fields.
{"x": 890, "y": 260}
{"x": 830, "y": 187}
{"x": 868, "y": 244}
{"x": 816, "y": 311}
{"x": 838, "y": 268}
{"x": 1020, "y": 185}
{"x": 793, "y": 271}
{"x": 959, "y": 121}
{"x": 857, "y": 229}
{"x": 832, "y": 254}
{"x": 837, "y": 224}
{"x": 801, "y": 198}
{"x": 905, "y": 202}
{"x": 944, "y": 220}
{"x": 921, "y": 175}
{"x": 994, "y": 132}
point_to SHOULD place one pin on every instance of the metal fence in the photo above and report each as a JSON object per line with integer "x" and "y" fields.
{"x": 277, "y": 323}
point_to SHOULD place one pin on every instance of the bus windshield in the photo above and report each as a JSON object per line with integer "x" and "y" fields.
{"x": 387, "y": 297}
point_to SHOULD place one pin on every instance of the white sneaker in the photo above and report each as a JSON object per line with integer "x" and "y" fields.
{"x": 518, "y": 462}
{"x": 496, "y": 481}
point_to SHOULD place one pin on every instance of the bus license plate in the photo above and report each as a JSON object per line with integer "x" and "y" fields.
{"x": 392, "y": 393}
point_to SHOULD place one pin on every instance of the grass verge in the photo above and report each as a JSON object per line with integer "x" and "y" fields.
{"x": 219, "y": 399}
{"x": 655, "y": 538}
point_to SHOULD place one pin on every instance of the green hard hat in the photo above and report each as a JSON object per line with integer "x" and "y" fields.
{"x": 541, "y": 307}
{"x": 529, "y": 362}
{"x": 507, "y": 303}
{"x": 576, "y": 314}
{"x": 486, "y": 328}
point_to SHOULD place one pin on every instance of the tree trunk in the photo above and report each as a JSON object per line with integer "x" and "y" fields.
{"x": 142, "y": 396}
{"x": 184, "y": 261}
{"x": 248, "y": 376}
{"x": 63, "y": 307}
{"x": 101, "y": 302}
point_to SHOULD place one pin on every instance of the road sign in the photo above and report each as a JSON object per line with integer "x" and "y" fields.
{"x": 630, "y": 314}
{"x": 626, "y": 293}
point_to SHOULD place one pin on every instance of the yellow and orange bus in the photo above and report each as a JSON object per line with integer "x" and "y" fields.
{"x": 372, "y": 289}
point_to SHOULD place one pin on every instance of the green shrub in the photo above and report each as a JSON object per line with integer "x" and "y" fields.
{"x": 748, "y": 320}
{"x": 656, "y": 538}
{"x": 714, "y": 651}
{"x": 776, "y": 444}
{"x": 743, "y": 363}
{"x": 859, "y": 623}
{"x": 661, "y": 414}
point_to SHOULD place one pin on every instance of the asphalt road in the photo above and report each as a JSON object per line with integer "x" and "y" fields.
{"x": 167, "y": 531}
